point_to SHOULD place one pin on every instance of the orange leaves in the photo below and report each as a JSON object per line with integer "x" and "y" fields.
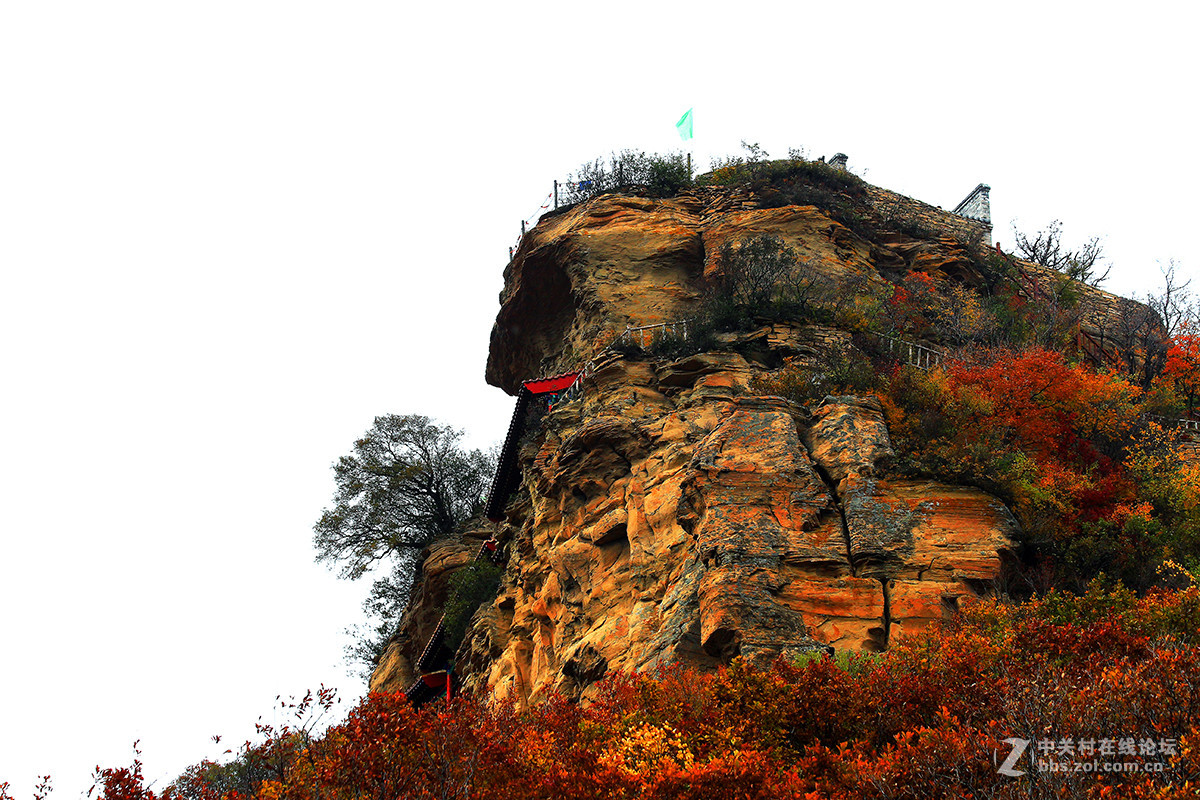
{"x": 926, "y": 719}
{"x": 1183, "y": 369}
{"x": 1051, "y": 406}
{"x": 1046, "y": 434}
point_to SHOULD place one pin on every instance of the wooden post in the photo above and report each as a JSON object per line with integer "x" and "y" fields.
{"x": 689, "y": 166}
{"x": 522, "y": 227}
{"x": 510, "y": 254}
{"x": 556, "y": 194}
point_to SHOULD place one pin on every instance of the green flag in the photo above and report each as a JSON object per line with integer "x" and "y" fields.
{"x": 684, "y": 126}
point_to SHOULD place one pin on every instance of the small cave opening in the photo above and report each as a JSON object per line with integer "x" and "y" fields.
{"x": 613, "y": 545}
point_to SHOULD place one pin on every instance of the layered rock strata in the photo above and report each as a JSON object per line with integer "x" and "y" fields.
{"x": 673, "y": 513}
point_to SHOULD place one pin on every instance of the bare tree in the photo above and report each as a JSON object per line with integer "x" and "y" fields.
{"x": 1173, "y": 302}
{"x": 1141, "y": 331}
{"x": 1046, "y": 248}
{"x": 1141, "y": 341}
{"x": 1060, "y": 314}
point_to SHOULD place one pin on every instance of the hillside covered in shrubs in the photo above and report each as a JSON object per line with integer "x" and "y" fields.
{"x": 1104, "y": 686}
{"x": 847, "y": 502}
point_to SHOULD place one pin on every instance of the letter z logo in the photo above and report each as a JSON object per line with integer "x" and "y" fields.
{"x": 1018, "y": 750}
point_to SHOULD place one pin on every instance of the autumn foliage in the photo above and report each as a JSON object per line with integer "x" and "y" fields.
{"x": 1098, "y": 672}
{"x": 1182, "y": 370}
{"x": 1077, "y": 676}
{"x": 1096, "y": 484}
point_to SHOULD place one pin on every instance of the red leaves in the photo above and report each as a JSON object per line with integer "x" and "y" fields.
{"x": 1047, "y": 435}
{"x": 926, "y": 719}
{"x": 123, "y": 783}
{"x": 1183, "y": 369}
{"x": 1050, "y": 406}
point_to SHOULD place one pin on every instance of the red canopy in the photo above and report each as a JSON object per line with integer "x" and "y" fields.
{"x": 555, "y": 383}
{"x": 435, "y": 680}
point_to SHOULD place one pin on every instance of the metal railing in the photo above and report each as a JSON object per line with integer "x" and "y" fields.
{"x": 922, "y": 357}
{"x": 642, "y": 335}
{"x": 913, "y": 353}
{"x": 564, "y": 193}
{"x": 556, "y": 198}
{"x": 1190, "y": 425}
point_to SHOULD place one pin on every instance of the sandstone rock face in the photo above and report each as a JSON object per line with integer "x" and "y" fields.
{"x": 396, "y": 670}
{"x": 582, "y": 276}
{"x": 674, "y": 514}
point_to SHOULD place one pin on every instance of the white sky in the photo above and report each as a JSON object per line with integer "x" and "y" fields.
{"x": 233, "y": 232}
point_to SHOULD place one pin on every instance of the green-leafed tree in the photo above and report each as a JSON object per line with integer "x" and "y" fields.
{"x": 407, "y": 483}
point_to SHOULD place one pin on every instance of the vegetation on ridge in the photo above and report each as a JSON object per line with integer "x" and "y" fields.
{"x": 1104, "y": 678}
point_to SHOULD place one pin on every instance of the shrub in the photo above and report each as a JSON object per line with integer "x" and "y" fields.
{"x": 671, "y": 342}
{"x": 795, "y": 182}
{"x": 927, "y": 718}
{"x": 902, "y": 220}
{"x": 662, "y": 175}
{"x": 1094, "y": 488}
{"x": 761, "y": 174}
{"x": 840, "y": 372}
{"x": 1182, "y": 369}
{"x": 673, "y": 345}
{"x": 627, "y": 346}
{"x": 763, "y": 278}
{"x": 470, "y": 587}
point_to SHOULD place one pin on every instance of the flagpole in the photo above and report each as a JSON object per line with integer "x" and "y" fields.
{"x": 684, "y": 126}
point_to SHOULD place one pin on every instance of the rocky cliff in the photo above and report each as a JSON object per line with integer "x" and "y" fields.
{"x": 672, "y": 512}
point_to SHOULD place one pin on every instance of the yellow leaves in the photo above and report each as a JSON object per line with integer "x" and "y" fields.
{"x": 270, "y": 790}
{"x": 1172, "y": 571}
{"x": 537, "y": 748}
{"x": 1167, "y": 478}
{"x": 647, "y": 748}
{"x": 960, "y": 311}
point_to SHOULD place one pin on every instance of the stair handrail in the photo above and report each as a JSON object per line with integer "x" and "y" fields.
{"x": 490, "y": 549}
{"x": 916, "y": 354}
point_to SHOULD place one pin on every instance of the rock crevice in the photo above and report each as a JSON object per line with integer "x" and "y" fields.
{"x": 672, "y": 514}
{"x": 664, "y": 519}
